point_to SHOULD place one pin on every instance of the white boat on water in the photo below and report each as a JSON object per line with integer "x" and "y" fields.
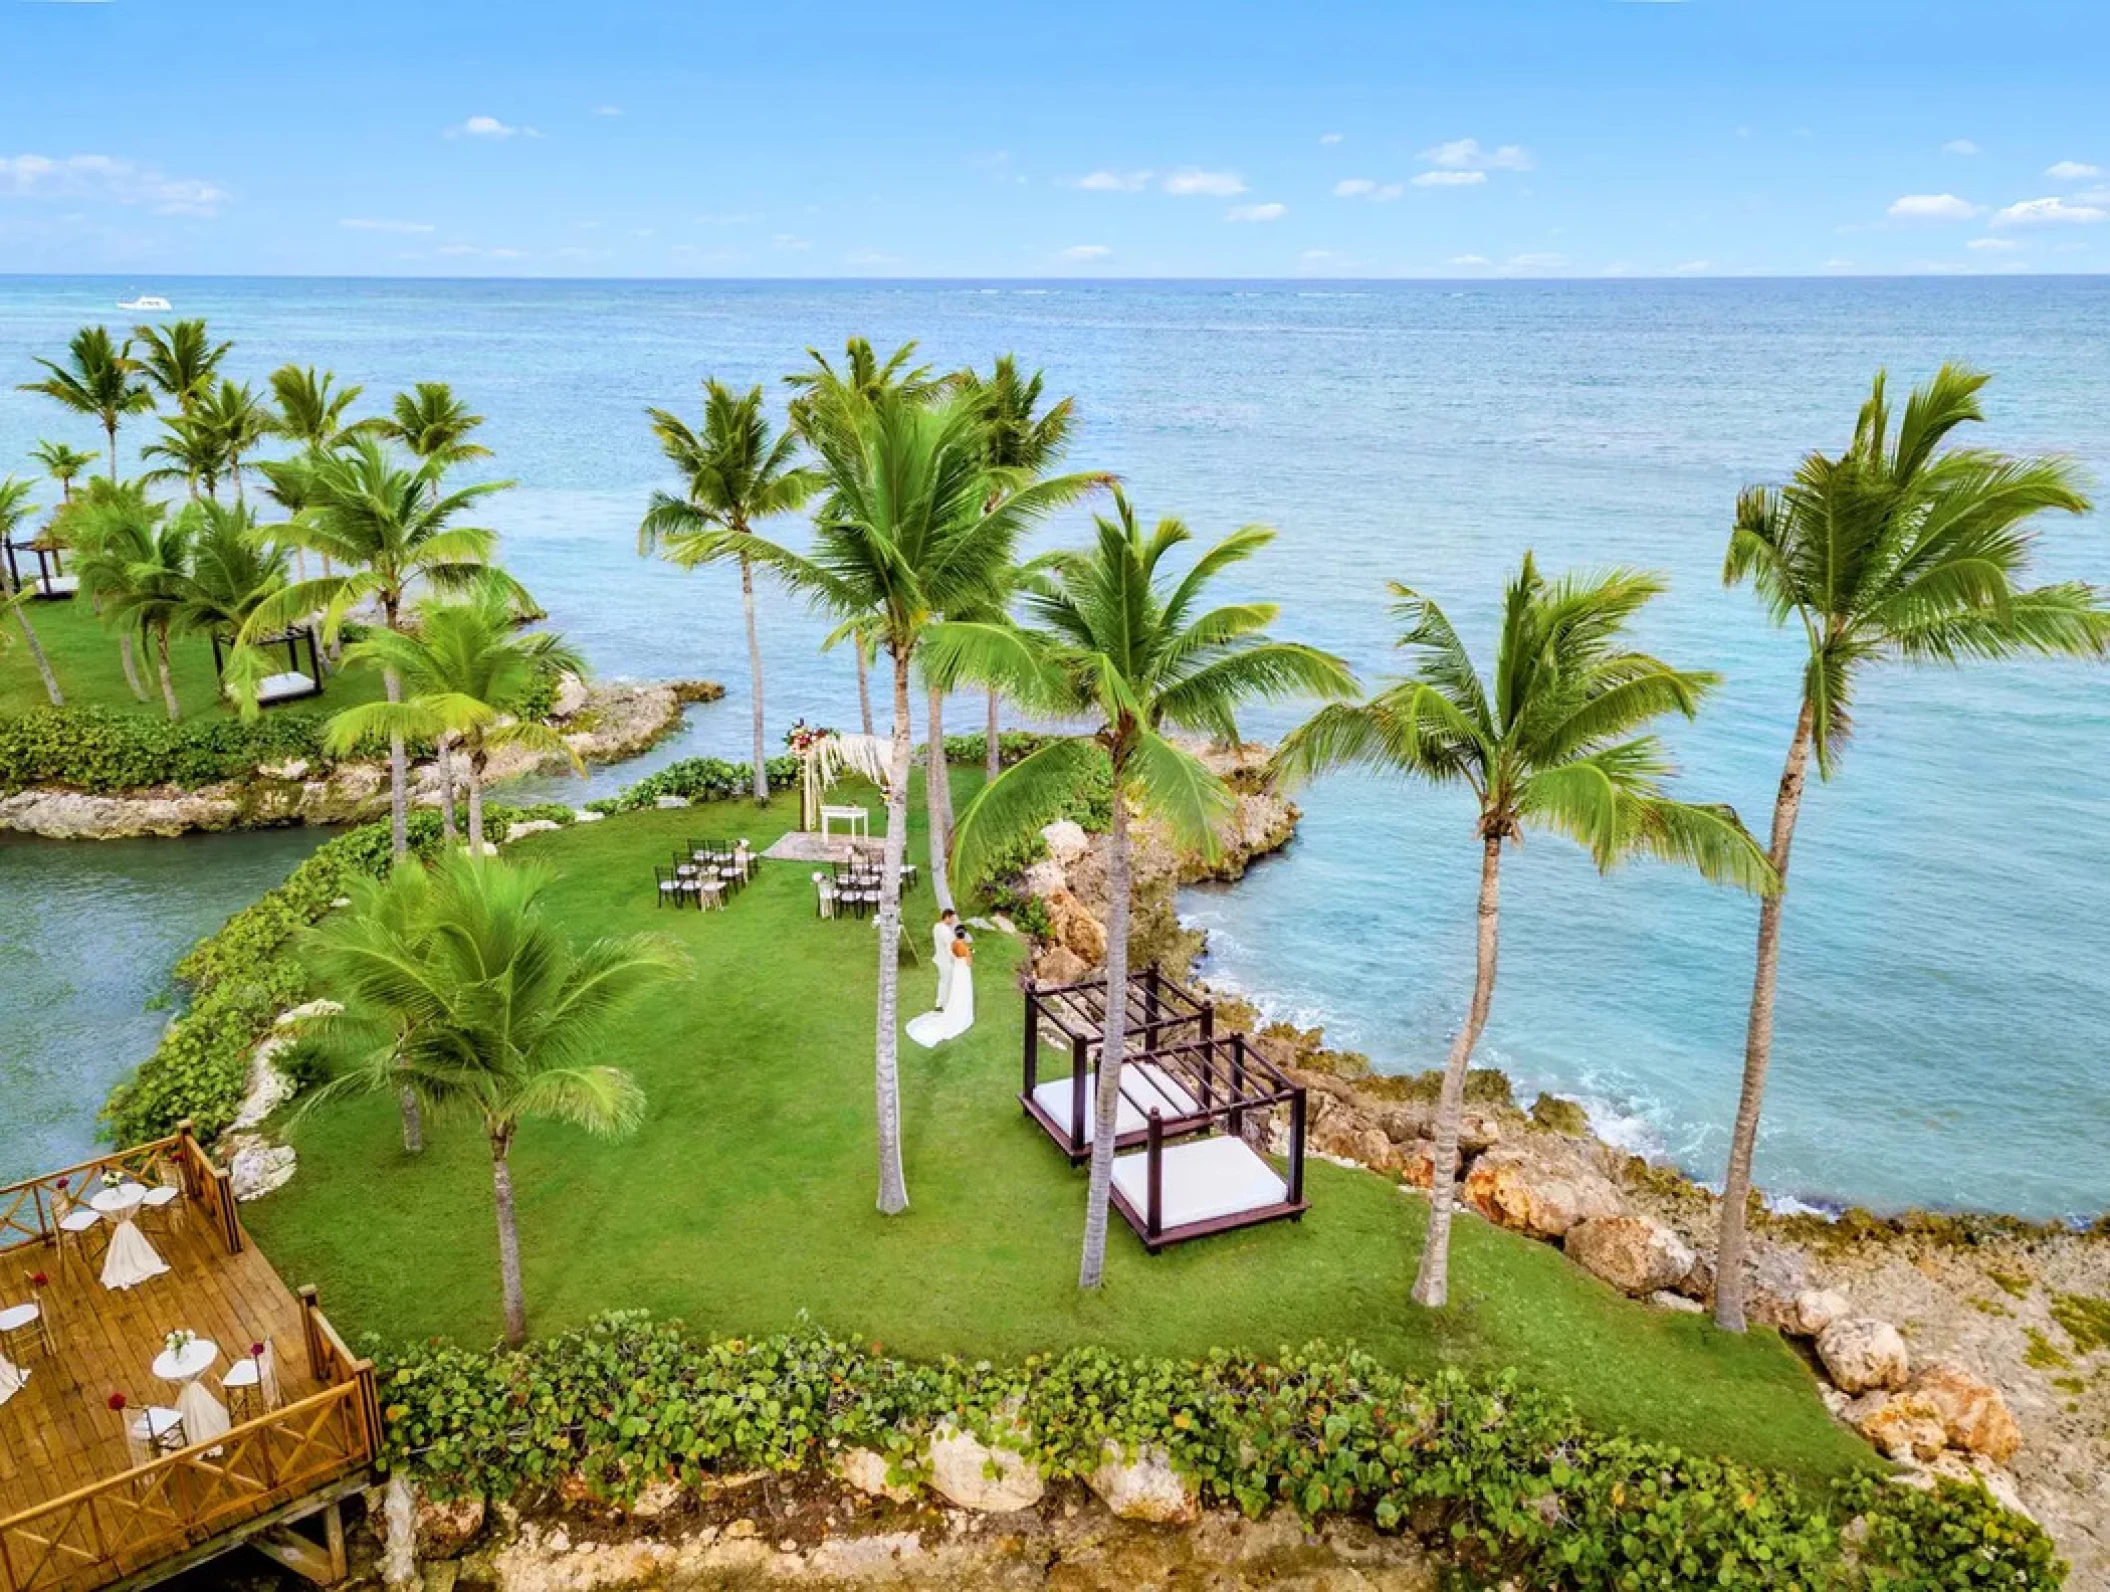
{"x": 145, "y": 301}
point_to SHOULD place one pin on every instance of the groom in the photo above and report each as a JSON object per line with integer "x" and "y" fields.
{"x": 941, "y": 935}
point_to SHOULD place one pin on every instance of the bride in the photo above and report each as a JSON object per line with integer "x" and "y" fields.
{"x": 956, "y": 1016}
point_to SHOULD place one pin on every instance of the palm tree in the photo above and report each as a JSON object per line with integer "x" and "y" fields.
{"x": 180, "y": 360}
{"x": 735, "y": 473}
{"x": 1017, "y": 439}
{"x": 309, "y": 414}
{"x": 1550, "y": 742}
{"x": 104, "y": 511}
{"x": 900, "y": 539}
{"x": 389, "y": 526}
{"x": 194, "y": 451}
{"x": 15, "y": 507}
{"x": 864, "y": 373}
{"x": 464, "y": 668}
{"x": 1121, "y": 646}
{"x": 1900, "y": 550}
{"x": 62, "y": 464}
{"x": 235, "y": 418}
{"x": 433, "y": 424}
{"x": 233, "y": 570}
{"x": 98, "y": 381}
{"x": 140, "y": 564}
{"x": 463, "y": 985}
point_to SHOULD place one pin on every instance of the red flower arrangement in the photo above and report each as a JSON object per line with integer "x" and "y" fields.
{"x": 62, "y": 1184}
{"x": 256, "y": 1351}
{"x": 118, "y": 1401}
{"x": 38, "y": 1280}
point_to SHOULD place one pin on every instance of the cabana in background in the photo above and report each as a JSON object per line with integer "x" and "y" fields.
{"x": 1204, "y": 1120}
{"x": 289, "y": 684}
{"x": 50, "y": 581}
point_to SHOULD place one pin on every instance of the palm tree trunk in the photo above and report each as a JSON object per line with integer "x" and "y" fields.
{"x": 36, "y": 647}
{"x": 475, "y": 782}
{"x": 398, "y": 776}
{"x": 754, "y": 676}
{"x": 508, "y": 1242}
{"x": 1758, "y": 1037}
{"x": 110, "y": 430}
{"x": 168, "y": 681}
{"x": 936, "y": 794}
{"x": 1432, "y": 1282}
{"x": 864, "y": 684}
{"x": 893, "y": 1188}
{"x": 992, "y": 754}
{"x": 130, "y": 660}
{"x": 1107, "y": 1096}
{"x": 446, "y": 762}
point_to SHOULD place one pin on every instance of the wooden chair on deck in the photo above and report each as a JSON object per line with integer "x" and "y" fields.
{"x": 151, "y": 1432}
{"x": 79, "y": 1225}
{"x": 27, "y": 1325}
{"x": 163, "y": 1205}
{"x": 251, "y": 1383}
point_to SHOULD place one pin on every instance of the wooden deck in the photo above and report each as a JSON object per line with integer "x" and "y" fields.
{"x": 74, "y": 1512}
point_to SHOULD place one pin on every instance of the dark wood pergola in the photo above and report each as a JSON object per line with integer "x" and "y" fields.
{"x": 293, "y": 682}
{"x": 1199, "y": 1115}
{"x": 51, "y": 583}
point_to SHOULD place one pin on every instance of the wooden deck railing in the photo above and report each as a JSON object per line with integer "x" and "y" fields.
{"x": 29, "y": 1212}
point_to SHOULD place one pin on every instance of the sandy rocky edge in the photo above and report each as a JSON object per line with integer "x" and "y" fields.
{"x": 604, "y": 722}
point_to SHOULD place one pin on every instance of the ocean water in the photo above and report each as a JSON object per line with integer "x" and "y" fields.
{"x": 1946, "y": 970}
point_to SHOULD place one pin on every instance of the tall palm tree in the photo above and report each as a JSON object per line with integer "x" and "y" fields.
{"x": 1017, "y": 439}
{"x": 464, "y": 669}
{"x": 234, "y": 569}
{"x": 1900, "y": 550}
{"x": 180, "y": 359}
{"x": 735, "y": 473}
{"x": 311, "y": 417}
{"x": 141, "y": 566}
{"x": 1551, "y": 741}
{"x": 390, "y": 527}
{"x": 433, "y": 424}
{"x": 102, "y": 511}
{"x": 863, "y": 373}
{"x": 1123, "y": 645}
{"x": 237, "y": 420}
{"x": 194, "y": 452}
{"x": 900, "y": 539}
{"x": 62, "y": 464}
{"x": 464, "y": 985}
{"x": 15, "y": 507}
{"x": 99, "y": 379}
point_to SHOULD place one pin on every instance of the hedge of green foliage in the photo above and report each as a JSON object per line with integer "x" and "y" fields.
{"x": 1500, "y": 1478}
{"x": 698, "y": 779}
{"x": 102, "y": 750}
{"x": 1012, "y": 746}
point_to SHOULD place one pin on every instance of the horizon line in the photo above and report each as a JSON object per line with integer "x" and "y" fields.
{"x": 1485, "y": 279}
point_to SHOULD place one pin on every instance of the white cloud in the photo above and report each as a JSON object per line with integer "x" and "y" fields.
{"x": 490, "y": 127}
{"x": 1190, "y": 180}
{"x": 608, "y": 110}
{"x": 1316, "y": 256}
{"x": 368, "y": 224}
{"x": 110, "y": 180}
{"x": 1959, "y": 146}
{"x": 1086, "y": 251}
{"x": 1992, "y": 243}
{"x": 727, "y": 218}
{"x": 469, "y": 251}
{"x": 2072, "y": 170}
{"x": 1534, "y": 262}
{"x": 1329, "y": 138}
{"x": 1468, "y": 260}
{"x": 1449, "y": 179}
{"x": 2047, "y": 212}
{"x": 1691, "y": 268}
{"x": 1266, "y": 212}
{"x": 1114, "y": 181}
{"x": 1465, "y": 154}
{"x": 1932, "y": 207}
{"x": 1367, "y": 188}
{"x": 787, "y": 240}
{"x": 871, "y": 257}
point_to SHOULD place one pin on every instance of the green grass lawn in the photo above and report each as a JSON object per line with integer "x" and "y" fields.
{"x": 747, "y": 1197}
{"x": 83, "y": 653}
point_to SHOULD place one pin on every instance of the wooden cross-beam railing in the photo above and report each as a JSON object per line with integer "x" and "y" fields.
{"x": 29, "y": 1211}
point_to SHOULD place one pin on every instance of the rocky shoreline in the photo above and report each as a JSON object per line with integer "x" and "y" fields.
{"x": 1957, "y": 1345}
{"x": 603, "y": 722}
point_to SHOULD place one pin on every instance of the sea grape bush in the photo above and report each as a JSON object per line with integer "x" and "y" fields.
{"x": 1498, "y": 1477}
{"x": 100, "y": 750}
{"x": 697, "y": 779}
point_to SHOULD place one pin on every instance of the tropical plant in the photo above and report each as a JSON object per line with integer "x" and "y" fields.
{"x": 464, "y": 669}
{"x": 1900, "y": 550}
{"x": 62, "y": 464}
{"x": 15, "y": 507}
{"x": 99, "y": 511}
{"x": 180, "y": 359}
{"x": 234, "y": 568}
{"x": 99, "y": 379}
{"x": 139, "y": 566}
{"x": 900, "y": 539}
{"x": 863, "y": 373}
{"x": 193, "y": 450}
{"x": 309, "y": 415}
{"x": 461, "y": 985}
{"x": 433, "y": 424}
{"x": 389, "y": 526}
{"x": 236, "y": 420}
{"x": 734, "y": 473}
{"x": 1017, "y": 439}
{"x": 1116, "y": 641}
{"x": 1551, "y": 741}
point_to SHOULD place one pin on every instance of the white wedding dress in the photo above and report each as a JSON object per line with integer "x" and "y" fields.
{"x": 956, "y": 1016}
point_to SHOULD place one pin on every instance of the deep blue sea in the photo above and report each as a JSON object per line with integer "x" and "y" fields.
{"x": 1946, "y": 980}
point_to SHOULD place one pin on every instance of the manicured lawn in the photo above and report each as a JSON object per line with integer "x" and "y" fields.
{"x": 83, "y": 653}
{"x": 747, "y": 1197}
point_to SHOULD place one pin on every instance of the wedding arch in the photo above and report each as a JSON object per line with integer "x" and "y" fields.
{"x": 825, "y": 756}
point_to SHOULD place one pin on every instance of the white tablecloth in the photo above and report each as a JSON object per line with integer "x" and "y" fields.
{"x": 204, "y": 1417}
{"x": 11, "y": 1379}
{"x": 122, "y": 1200}
{"x": 130, "y": 1260}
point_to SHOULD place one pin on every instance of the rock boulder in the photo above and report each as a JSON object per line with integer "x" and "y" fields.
{"x": 1861, "y": 1353}
{"x": 1145, "y": 1487}
{"x": 1541, "y": 1187}
{"x": 1903, "y": 1426}
{"x": 1971, "y": 1411}
{"x": 1635, "y": 1254}
{"x": 866, "y": 1470}
{"x": 444, "y": 1529}
{"x": 968, "y": 1472}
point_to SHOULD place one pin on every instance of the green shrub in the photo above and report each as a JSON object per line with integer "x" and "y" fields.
{"x": 698, "y": 779}
{"x": 1012, "y": 746}
{"x": 1500, "y": 1478}
{"x": 101, "y": 750}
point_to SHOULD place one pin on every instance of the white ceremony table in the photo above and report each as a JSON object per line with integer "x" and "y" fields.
{"x": 204, "y": 1417}
{"x": 130, "y": 1259}
{"x": 856, "y": 821}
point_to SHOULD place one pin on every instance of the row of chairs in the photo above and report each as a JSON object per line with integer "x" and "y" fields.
{"x": 250, "y": 1388}
{"x": 706, "y": 875}
{"x": 851, "y": 889}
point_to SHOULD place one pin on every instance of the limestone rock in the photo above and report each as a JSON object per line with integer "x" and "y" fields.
{"x": 658, "y": 1498}
{"x": 1145, "y": 1487}
{"x": 866, "y": 1470}
{"x": 293, "y": 768}
{"x": 1972, "y": 1413}
{"x": 1902, "y": 1426}
{"x": 569, "y": 698}
{"x": 1861, "y": 1353}
{"x": 960, "y": 1471}
{"x": 255, "y": 1168}
{"x": 1664, "y": 1299}
{"x": 521, "y": 828}
{"x": 1074, "y": 928}
{"x": 1541, "y": 1187}
{"x": 1818, "y": 1308}
{"x": 586, "y": 815}
{"x": 1635, "y": 1254}
{"x": 1967, "y": 1468}
{"x": 399, "y": 1537}
{"x": 1066, "y": 841}
{"x": 670, "y": 802}
{"x": 444, "y": 1529}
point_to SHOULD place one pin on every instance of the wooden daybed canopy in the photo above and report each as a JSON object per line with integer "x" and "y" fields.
{"x": 1198, "y": 1116}
{"x": 291, "y": 683}
{"x": 50, "y": 582}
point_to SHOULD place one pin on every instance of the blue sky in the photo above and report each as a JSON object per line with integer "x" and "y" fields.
{"x": 1502, "y": 137}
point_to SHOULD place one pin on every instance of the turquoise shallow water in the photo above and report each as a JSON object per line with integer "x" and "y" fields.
{"x": 1947, "y": 962}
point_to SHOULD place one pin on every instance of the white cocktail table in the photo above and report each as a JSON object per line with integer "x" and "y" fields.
{"x": 204, "y": 1417}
